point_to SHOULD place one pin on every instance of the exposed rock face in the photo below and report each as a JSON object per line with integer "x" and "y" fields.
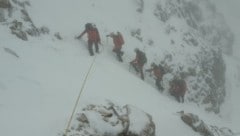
{"x": 21, "y": 25}
{"x": 201, "y": 127}
{"x": 112, "y": 120}
{"x": 5, "y": 4}
{"x": 205, "y": 76}
{"x": 16, "y": 29}
{"x": 209, "y": 86}
{"x": 205, "y": 31}
{"x": 201, "y": 16}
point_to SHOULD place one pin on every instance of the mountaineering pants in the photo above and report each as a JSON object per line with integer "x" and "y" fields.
{"x": 119, "y": 53}
{"x": 179, "y": 98}
{"x": 90, "y": 47}
{"x": 158, "y": 84}
{"x": 139, "y": 68}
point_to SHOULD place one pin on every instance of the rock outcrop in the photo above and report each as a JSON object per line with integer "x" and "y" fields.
{"x": 204, "y": 32}
{"x": 202, "y": 128}
{"x": 112, "y": 120}
{"x": 14, "y": 14}
{"x": 5, "y": 4}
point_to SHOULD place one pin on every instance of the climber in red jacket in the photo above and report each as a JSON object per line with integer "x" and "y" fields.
{"x": 178, "y": 88}
{"x": 93, "y": 37}
{"x": 118, "y": 43}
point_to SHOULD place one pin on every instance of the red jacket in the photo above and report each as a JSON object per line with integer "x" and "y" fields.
{"x": 117, "y": 40}
{"x": 179, "y": 87}
{"x": 156, "y": 71}
{"x": 93, "y": 34}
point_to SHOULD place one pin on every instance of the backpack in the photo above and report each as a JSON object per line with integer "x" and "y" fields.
{"x": 143, "y": 58}
{"x": 120, "y": 38}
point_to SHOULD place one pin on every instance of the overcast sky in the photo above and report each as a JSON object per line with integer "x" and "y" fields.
{"x": 231, "y": 10}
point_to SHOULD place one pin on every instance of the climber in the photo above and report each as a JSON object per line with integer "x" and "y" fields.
{"x": 178, "y": 88}
{"x": 118, "y": 42}
{"x": 158, "y": 72}
{"x": 139, "y": 62}
{"x": 93, "y": 37}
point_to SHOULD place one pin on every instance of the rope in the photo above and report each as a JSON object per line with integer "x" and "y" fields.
{"x": 78, "y": 98}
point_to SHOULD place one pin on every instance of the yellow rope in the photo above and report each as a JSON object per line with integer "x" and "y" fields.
{"x": 78, "y": 98}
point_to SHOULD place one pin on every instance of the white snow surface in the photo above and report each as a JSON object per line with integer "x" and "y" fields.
{"x": 38, "y": 90}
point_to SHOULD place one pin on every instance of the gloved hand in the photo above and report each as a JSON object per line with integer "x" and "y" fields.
{"x": 77, "y": 37}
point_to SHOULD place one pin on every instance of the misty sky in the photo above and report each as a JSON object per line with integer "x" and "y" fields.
{"x": 231, "y": 10}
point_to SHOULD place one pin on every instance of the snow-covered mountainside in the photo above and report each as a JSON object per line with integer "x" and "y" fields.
{"x": 41, "y": 58}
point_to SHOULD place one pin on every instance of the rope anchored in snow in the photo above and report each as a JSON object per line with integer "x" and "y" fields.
{"x": 78, "y": 98}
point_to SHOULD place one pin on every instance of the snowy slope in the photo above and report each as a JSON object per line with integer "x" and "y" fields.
{"x": 38, "y": 90}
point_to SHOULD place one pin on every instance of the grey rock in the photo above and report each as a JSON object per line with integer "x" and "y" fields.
{"x": 5, "y": 4}
{"x": 16, "y": 29}
{"x": 58, "y": 36}
{"x": 116, "y": 118}
{"x": 10, "y": 51}
{"x": 204, "y": 129}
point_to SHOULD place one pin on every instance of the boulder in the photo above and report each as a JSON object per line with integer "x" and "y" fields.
{"x": 112, "y": 120}
{"x": 204, "y": 129}
{"x": 16, "y": 29}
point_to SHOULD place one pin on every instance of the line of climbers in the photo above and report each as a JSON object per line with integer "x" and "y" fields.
{"x": 178, "y": 86}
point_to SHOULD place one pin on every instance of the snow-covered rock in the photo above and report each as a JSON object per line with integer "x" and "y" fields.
{"x": 204, "y": 129}
{"x": 197, "y": 51}
{"x": 112, "y": 120}
{"x": 16, "y": 17}
{"x": 201, "y": 16}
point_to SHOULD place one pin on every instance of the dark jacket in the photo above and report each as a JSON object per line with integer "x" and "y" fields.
{"x": 178, "y": 87}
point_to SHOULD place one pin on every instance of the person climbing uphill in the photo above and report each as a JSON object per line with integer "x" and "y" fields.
{"x": 158, "y": 72}
{"x": 93, "y": 37}
{"x": 139, "y": 62}
{"x": 178, "y": 88}
{"x": 118, "y": 43}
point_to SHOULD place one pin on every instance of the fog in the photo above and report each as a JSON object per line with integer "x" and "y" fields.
{"x": 230, "y": 9}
